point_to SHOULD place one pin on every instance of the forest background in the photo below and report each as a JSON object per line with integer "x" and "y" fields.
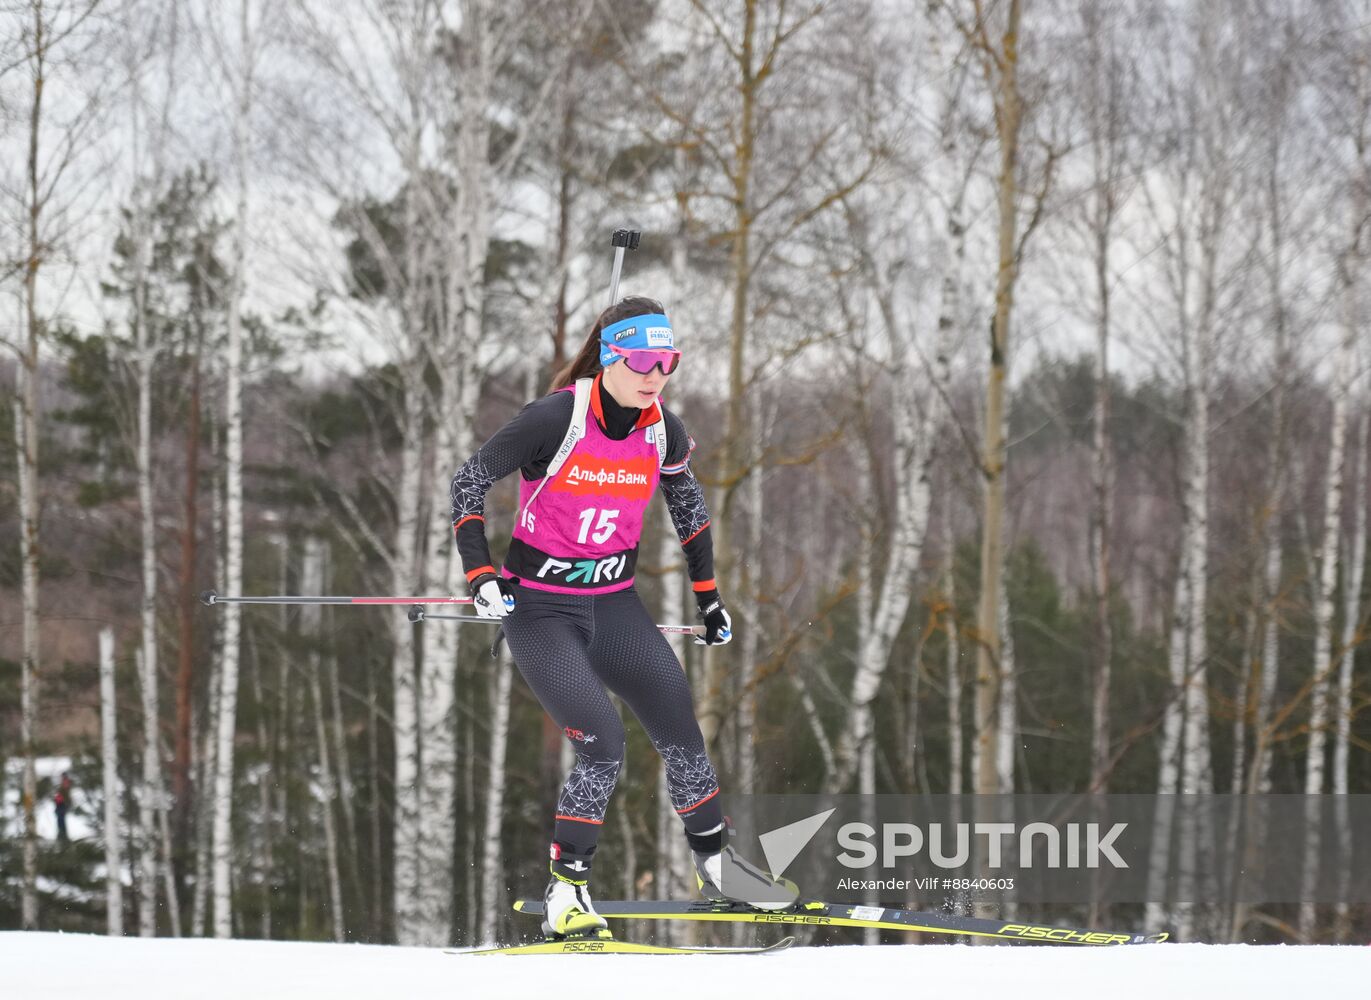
{"x": 1024, "y": 344}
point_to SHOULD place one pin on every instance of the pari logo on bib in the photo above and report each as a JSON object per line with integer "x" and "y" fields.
{"x": 642, "y": 342}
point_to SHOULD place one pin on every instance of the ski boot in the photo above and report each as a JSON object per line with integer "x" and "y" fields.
{"x": 567, "y": 909}
{"x": 725, "y": 877}
{"x": 569, "y": 913}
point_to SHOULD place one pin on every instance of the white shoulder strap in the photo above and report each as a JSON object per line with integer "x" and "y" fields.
{"x": 574, "y": 432}
{"x": 659, "y": 437}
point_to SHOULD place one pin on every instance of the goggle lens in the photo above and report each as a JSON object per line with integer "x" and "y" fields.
{"x": 643, "y": 361}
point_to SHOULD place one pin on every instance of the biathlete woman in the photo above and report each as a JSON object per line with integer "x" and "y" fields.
{"x": 571, "y": 615}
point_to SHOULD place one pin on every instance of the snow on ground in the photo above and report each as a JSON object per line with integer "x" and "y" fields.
{"x": 45, "y": 966}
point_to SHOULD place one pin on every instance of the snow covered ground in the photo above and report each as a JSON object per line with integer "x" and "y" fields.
{"x": 43, "y": 966}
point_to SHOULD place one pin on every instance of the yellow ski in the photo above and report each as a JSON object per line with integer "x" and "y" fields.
{"x": 815, "y": 913}
{"x": 594, "y": 946}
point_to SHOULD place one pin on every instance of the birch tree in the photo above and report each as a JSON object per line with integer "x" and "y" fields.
{"x": 751, "y": 608}
{"x": 920, "y": 365}
{"x": 53, "y": 38}
{"x": 163, "y": 270}
{"x": 1329, "y": 549}
{"x": 1191, "y": 201}
{"x": 163, "y": 264}
{"x": 382, "y": 60}
{"x": 916, "y": 412}
{"x": 28, "y": 554}
{"x": 148, "y": 168}
{"x": 454, "y": 345}
{"x": 1348, "y": 268}
{"x": 1280, "y": 204}
{"x": 114, "y": 863}
{"x": 1106, "y": 82}
{"x": 238, "y": 51}
{"x": 961, "y": 148}
{"x": 998, "y": 60}
{"x": 956, "y": 741}
{"x": 337, "y": 47}
{"x": 1342, "y": 705}
{"x": 205, "y": 764}
{"x": 1291, "y": 209}
{"x": 314, "y": 576}
{"x": 1007, "y": 707}
{"x": 1356, "y": 118}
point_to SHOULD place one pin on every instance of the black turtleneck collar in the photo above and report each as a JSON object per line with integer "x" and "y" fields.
{"x": 619, "y": 420}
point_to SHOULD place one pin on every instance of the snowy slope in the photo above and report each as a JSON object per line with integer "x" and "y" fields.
{"x": 42, "y": 966}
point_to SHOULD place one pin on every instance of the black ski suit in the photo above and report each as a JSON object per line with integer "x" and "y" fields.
{"x": 573, "y": 648}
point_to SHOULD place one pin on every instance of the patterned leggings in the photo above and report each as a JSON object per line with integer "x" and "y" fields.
{"x": 570, "y": 648}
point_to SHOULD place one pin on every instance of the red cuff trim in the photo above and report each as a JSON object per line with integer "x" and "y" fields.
{"x": 696, "y": 535}
{"x": 582, "y": 819}
{"x": 701, "y": 586}
{"x": 687, "y": 809}
{"x": 469, "y": 517}
{"x": 473, "y": 574}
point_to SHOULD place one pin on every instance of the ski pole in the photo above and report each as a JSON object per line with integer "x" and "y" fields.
{"x": 623, "y": 239}
{"x": 418, "y": 614}
{"x": 212, "y": 597}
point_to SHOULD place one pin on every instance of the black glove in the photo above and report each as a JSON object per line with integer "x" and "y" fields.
{"x": 718, "y": 626}
{"x": 494, "y": 596}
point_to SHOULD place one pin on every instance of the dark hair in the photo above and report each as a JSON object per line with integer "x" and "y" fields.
{"x": 587, "y": 360}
